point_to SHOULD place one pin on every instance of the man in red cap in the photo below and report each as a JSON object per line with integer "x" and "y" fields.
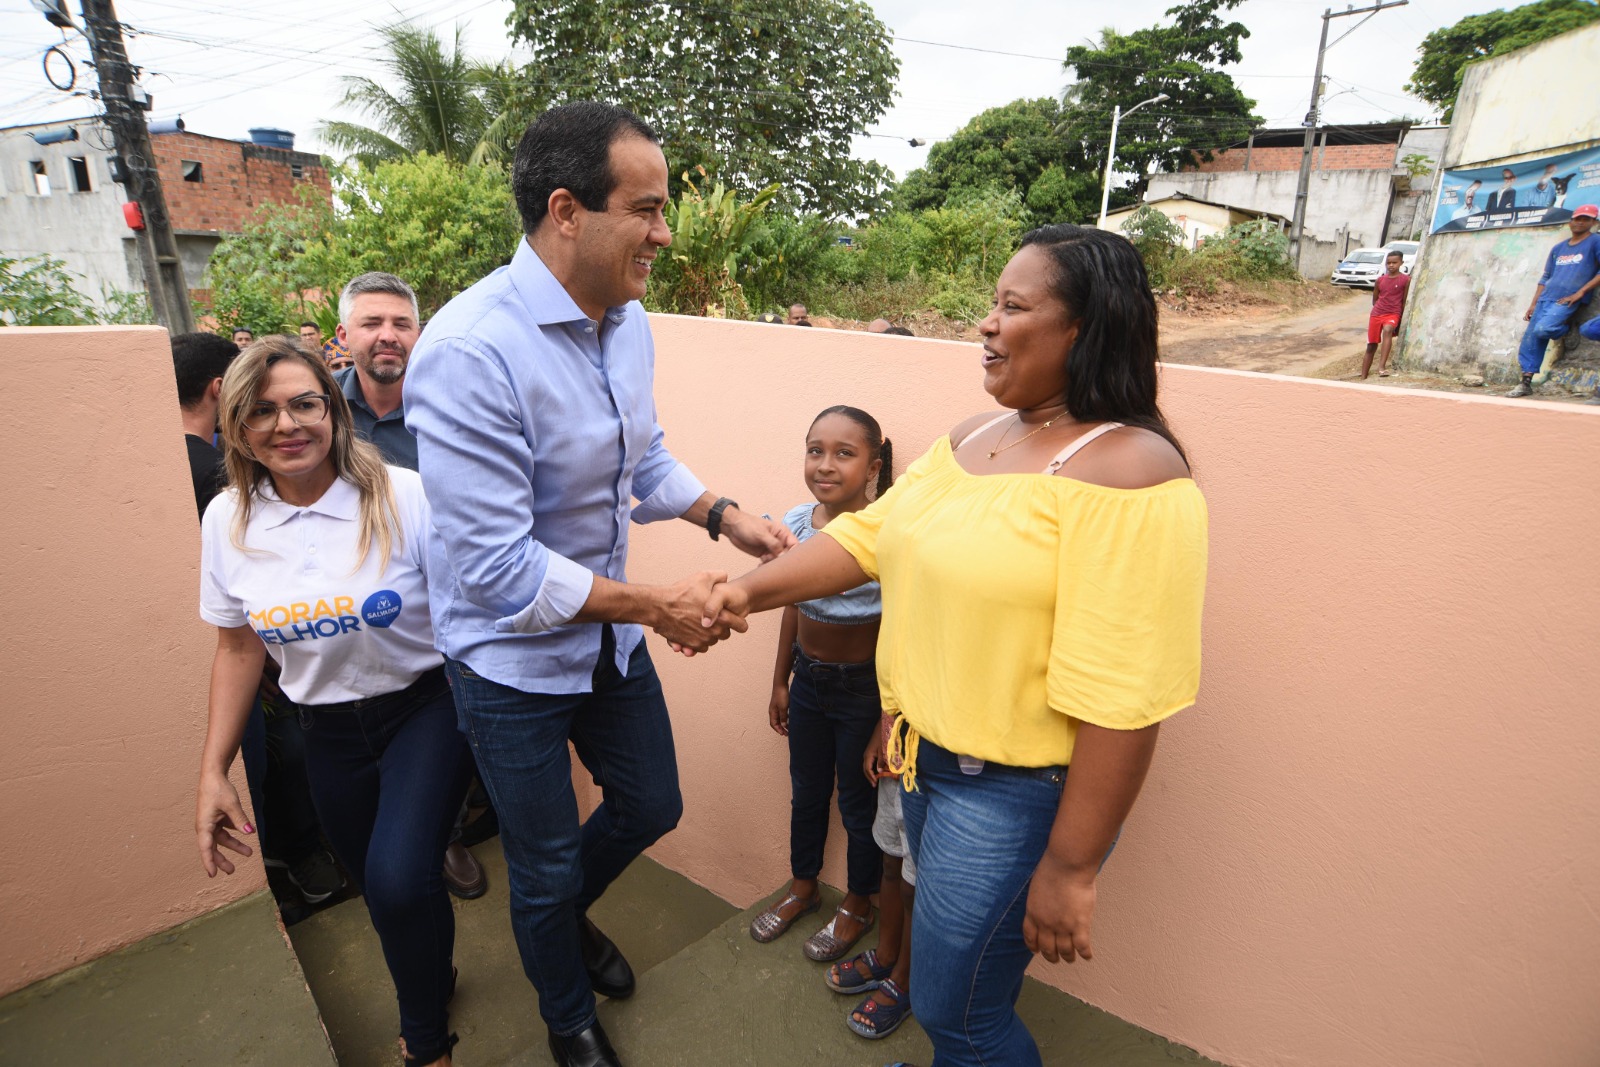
{"x": 1571, "y": 272}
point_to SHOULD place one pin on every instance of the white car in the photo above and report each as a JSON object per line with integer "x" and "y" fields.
{"x": 1360, "y": 268}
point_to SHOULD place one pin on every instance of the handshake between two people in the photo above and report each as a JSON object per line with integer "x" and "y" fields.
{"x": 701, "y": 610}
{"x": 705, "y": 608}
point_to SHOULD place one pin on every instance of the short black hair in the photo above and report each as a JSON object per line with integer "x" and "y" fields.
{"x": 1402, "y": 255}
{"x": 899, "y": 331}
{"x": 199, "y": 359}
{"x": 311, "y": 324}
{"x": 569, "y": 147}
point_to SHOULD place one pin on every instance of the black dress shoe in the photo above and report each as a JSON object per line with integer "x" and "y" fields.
{"x": 464, "y": 876}
{"x": 609, "y": 973}
{"x": 587, "y": 1048}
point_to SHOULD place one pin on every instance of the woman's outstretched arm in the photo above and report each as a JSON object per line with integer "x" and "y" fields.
{"x": 814, "y": 569}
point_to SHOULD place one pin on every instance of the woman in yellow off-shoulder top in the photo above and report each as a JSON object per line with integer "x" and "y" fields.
{"x": 1042, "y": 577}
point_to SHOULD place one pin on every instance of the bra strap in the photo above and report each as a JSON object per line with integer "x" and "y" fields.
{"x": 997, "y": 420}
{"x": 1082, "y": 439}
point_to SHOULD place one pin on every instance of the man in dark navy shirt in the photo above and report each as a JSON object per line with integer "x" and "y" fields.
{"x": 378, "y": 321}
{"x": 1571, "y": 272}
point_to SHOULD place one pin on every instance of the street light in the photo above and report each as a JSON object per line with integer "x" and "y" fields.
{"x": 1111, "y": 153}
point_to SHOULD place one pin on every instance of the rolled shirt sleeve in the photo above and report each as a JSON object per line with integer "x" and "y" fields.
{"x": 674, "y": 494}
{"x": 477, "y": 470}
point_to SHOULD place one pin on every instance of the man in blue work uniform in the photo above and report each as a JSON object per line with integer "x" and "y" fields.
{"x": 1571, "y": 272}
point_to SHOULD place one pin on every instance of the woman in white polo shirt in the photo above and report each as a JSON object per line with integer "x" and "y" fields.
{"x": 315, "y": 554}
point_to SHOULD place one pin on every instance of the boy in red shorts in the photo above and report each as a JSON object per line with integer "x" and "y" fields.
{"x": 1388, "y": 297}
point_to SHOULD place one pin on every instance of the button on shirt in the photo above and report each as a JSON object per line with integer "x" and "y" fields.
{"x": 389, "y": 433}
{"x": 536, "y": 429}
{"x": 340, "y": 632}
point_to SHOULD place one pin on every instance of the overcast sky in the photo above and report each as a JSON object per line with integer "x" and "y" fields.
{"x": 278, "y": 64}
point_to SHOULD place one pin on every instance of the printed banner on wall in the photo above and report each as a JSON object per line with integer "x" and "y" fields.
{"x": 1535, "y": 192}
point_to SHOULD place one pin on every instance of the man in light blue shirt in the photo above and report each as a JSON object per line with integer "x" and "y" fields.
{"x": 531, "y": 398}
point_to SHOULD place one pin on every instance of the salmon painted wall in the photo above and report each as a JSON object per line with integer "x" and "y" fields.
{"x": 1373, "y": 841}
{"x": 103, "y": 659}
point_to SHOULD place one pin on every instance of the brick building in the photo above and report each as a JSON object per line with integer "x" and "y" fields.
{"x": 1362, "y": 192}
{"x": 58, "y": 199}
{"x": 1372, "y": 147}
{"x": 214, "y": 184}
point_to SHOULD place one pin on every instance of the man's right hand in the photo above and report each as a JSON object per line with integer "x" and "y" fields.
{"x": 1527, "y": 316}
{"x": 680, "y": 613}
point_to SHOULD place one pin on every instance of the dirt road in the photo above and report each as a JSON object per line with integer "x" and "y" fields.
{"x": 1269, "y": 340}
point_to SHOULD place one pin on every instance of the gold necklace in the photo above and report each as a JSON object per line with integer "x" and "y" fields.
{"x": 997, "y": 449}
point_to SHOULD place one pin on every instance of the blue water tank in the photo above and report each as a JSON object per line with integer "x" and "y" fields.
{"x": 268, "y": 137}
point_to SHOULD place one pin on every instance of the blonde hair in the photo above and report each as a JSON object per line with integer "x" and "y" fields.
{"x": 355, "y": 460}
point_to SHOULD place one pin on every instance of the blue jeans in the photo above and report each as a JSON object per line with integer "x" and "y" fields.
{"x": 1549, "y": 322}
{"x": 976, "y": 840}
{"x": 387, "y": 775}
{"x": 557, "y": 867}
{"x": 1591, "y": 329}
{"x": 833, "y": 713}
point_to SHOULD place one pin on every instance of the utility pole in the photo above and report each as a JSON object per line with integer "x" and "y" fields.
{"x": 1303, "y": 189}
{"x": 125, "y": 106}
{"x": 1111, "y": 152}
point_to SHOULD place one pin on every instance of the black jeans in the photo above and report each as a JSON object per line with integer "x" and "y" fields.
{"x": 387, "y": 776}
{"x": 833, "y": 712}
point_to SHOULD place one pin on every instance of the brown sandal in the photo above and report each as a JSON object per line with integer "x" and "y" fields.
{"x": 769, "y": 925}
{"x": 825, "y": 945}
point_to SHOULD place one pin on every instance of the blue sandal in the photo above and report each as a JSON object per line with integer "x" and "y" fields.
{"x": 854, "y": 966}
{"x": 882, "y": 1019}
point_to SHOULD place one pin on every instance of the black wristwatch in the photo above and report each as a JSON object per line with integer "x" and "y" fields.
{"x": 714, "y": 516}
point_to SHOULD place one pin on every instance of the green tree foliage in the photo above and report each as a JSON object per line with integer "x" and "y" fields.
{"x": 1445, "y": 53}
{"x": 1158, "y": 239}
{"x": 755, "y": 93}
{"x": 1204, "y": 109}
{"x": 1014, "y": 147}
{"x": 441, "y": 101}
{"x": 438, "y": 225}
{"x": 257, "y": 276}
{"x": 712, "y": 235}
{"x": 38, "y": 291}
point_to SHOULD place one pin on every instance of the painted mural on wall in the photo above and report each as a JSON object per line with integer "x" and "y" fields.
{"x": 1535, "y": 192}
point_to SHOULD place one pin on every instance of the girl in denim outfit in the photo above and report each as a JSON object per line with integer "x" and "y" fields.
{"x": 825, "y": 696}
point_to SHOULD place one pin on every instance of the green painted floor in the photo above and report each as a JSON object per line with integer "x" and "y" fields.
{"x": 223, "y": 989}
{"x": 708, "y": 995}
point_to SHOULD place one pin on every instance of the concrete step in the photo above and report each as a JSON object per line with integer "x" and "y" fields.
{"x": 222, "y": 989}
{"x": 727, "y": 1001}
{"x": 708, "y": 995}
{"x": 651, "y": 912}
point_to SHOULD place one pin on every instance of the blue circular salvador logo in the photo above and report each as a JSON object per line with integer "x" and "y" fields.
{"x": 381, "y": 608}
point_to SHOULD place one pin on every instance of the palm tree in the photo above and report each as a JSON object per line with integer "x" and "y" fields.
{"x": 512, "y": 101}
{"x": 440, "y": 104}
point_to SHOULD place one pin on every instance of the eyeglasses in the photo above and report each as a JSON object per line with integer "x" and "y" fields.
{"x": 305, "y": 410}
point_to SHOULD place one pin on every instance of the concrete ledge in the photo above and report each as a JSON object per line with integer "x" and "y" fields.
{"x": 225, "y": 988}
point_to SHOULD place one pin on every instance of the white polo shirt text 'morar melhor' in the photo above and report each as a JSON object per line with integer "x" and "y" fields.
{"x": 338, "y": 631}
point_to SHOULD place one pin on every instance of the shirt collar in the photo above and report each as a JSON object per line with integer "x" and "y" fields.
{"x": 350, "y": 386}
{"x": 341, "y": 501}
{"x": 546, "y": 298}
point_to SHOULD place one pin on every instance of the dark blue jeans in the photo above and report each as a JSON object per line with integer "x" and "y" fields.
{"x": 557, "y": 867}
{"x": 833, "y": 713}
{"x": 976, "y": 840}
{"x": 387, "y": 776}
